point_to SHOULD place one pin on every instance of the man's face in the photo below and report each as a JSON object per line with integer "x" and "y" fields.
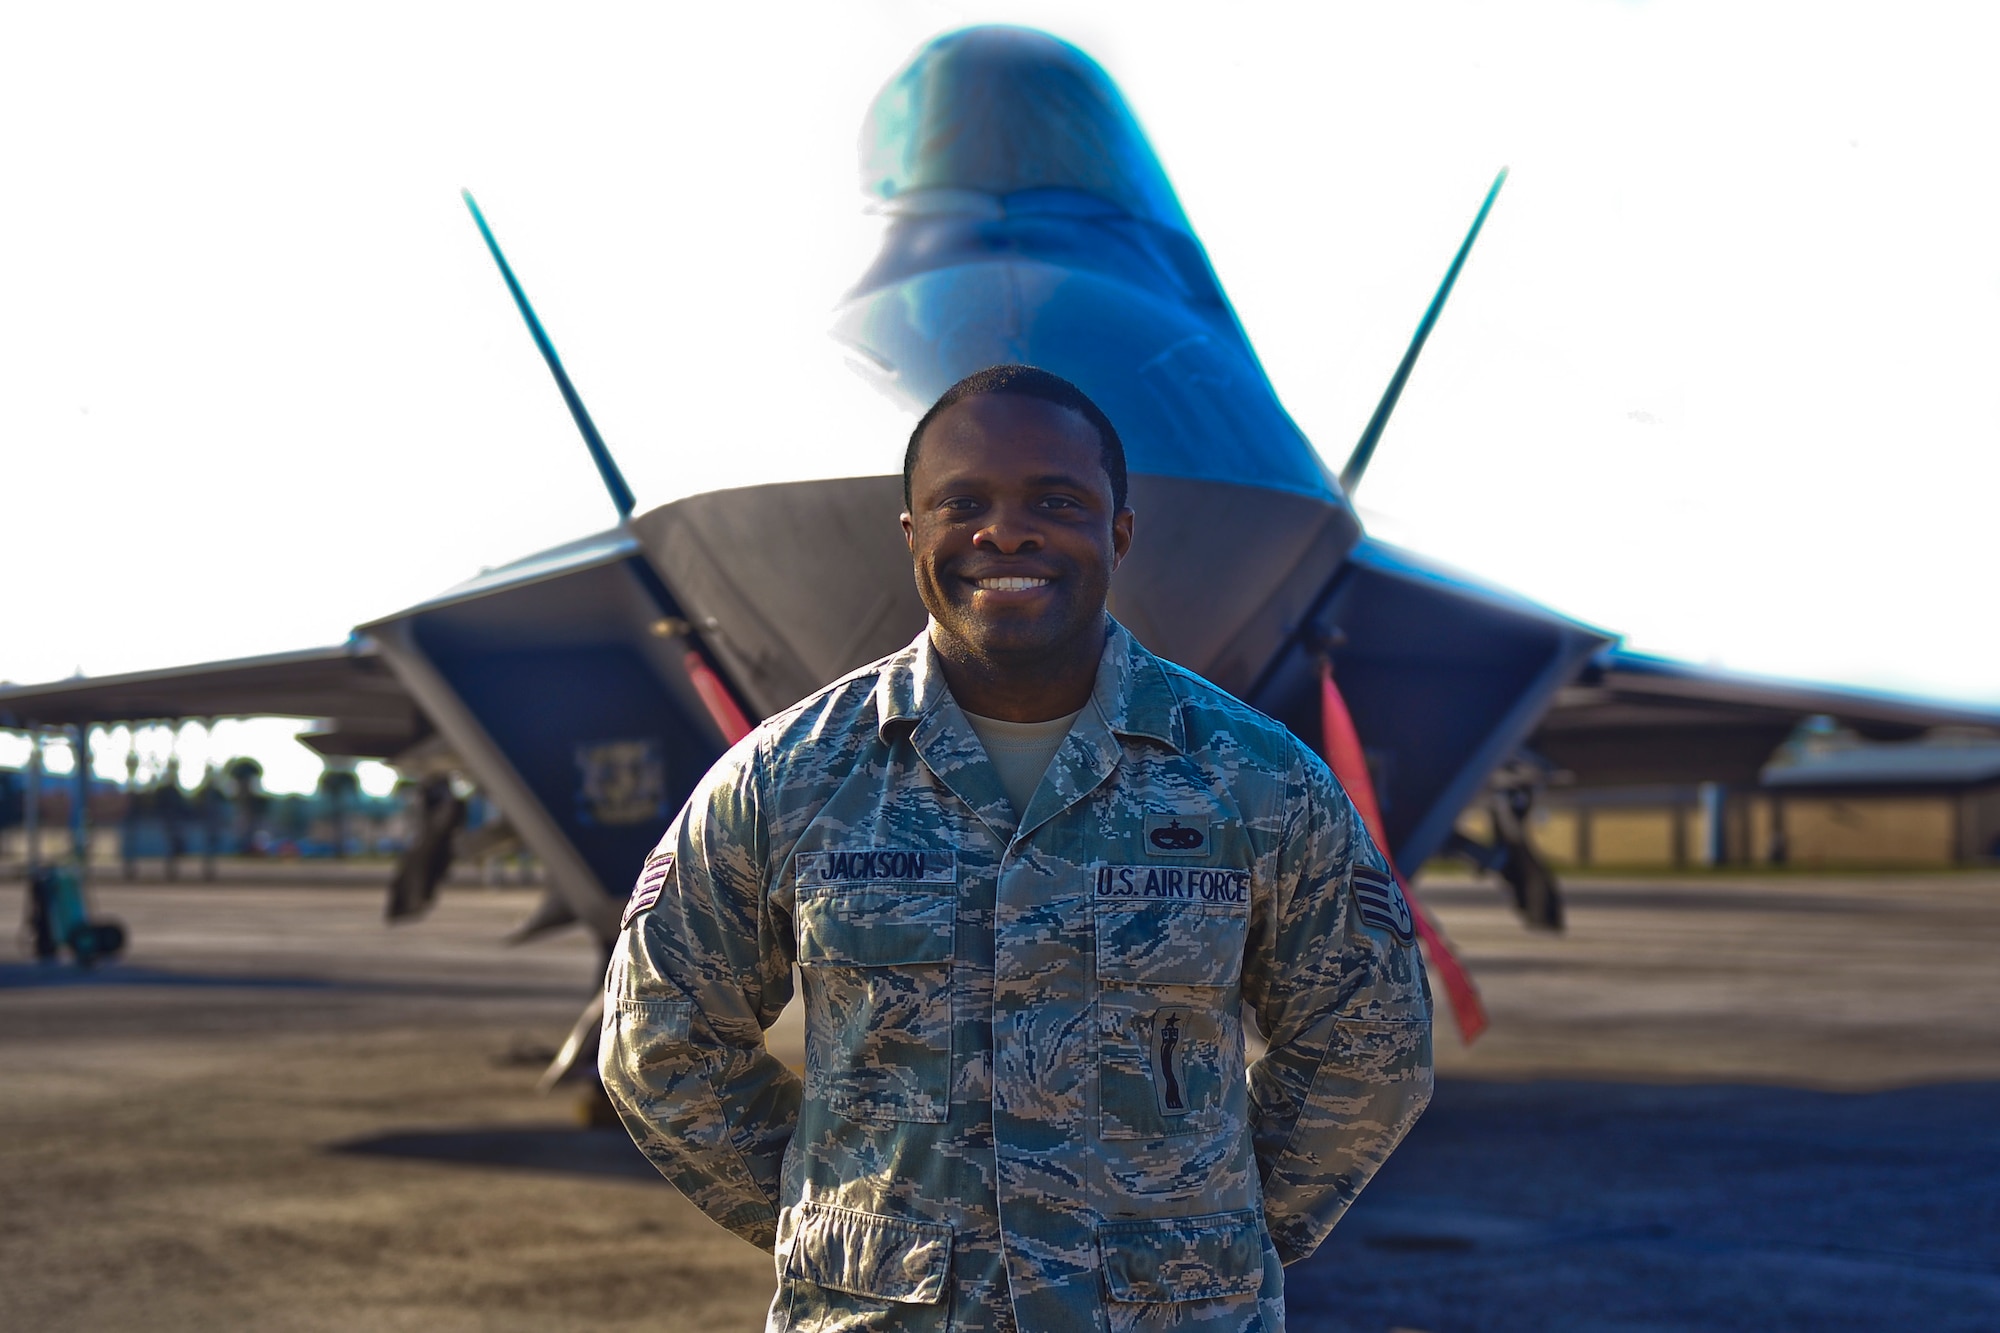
{"x": 1011, "y": 527}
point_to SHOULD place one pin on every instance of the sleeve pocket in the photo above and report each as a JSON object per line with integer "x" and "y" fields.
{"x": 1183, "y": 1258}
{"x": 645, "y": 1032}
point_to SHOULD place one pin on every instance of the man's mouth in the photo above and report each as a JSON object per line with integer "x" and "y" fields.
{"x": 1011, "y": 584}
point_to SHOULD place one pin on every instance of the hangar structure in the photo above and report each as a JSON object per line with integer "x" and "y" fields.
{"x": 1651, "y": 762}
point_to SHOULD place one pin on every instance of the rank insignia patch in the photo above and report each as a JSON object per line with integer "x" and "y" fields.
{"x": 1177, "y": 835}
{"x": 647, "y": 891}
{"x": 1382, "y": 904}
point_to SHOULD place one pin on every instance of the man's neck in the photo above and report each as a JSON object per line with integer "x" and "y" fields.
{"x": 1048, "y": 685}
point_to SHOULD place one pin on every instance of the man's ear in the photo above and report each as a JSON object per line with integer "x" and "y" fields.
{"x": 909, "y": 532}
{"x": 1121, "y": 535}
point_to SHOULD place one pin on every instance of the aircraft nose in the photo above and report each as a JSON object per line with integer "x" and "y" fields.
{"x": 1002, "y": 110}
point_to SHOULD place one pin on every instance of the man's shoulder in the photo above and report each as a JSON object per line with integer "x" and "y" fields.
{"x": 1261, "y": 758}
{"x": 1213, "y": 719}
{"x": 838, "y": 718}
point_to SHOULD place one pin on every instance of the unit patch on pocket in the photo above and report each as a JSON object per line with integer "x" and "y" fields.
{"x": 1170, "y": 1061}
{"x": 1382, "y": 905}
{"x": 1177, "y": 835}
{"x": 647, "y": 891}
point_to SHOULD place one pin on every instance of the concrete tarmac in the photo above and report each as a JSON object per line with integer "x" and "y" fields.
{"x": 1752, "y": 1103}
{"x": 1748, "y": 1104}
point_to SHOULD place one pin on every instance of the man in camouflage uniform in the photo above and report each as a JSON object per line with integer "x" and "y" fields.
{"x": 1025, "y": 1104}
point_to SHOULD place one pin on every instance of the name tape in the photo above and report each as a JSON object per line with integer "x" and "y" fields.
{"x": 878, "y": 865}
{"x": 1182, "y": 884}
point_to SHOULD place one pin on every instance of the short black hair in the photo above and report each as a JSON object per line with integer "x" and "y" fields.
{"x": 1028, "y": 382}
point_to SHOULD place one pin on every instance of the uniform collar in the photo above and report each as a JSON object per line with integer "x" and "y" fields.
{"x": 1132, "y": 693}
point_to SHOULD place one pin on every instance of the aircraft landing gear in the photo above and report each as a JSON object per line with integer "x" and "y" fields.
{"x": 1531, "y": 884}
{"x": 1537, "y": 896}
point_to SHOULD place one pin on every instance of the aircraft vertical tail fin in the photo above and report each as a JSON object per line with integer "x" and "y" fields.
{"x": 1357, "y": 462}
{"x": 600, "y": 453}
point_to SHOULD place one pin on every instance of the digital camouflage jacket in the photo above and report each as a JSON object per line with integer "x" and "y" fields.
{"x": 1025, "y": 1102}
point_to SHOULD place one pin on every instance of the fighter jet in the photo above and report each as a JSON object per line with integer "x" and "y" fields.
{"x": 585, "y": 689}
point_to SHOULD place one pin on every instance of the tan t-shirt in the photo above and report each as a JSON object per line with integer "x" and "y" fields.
{"x": 1021, "y": 751}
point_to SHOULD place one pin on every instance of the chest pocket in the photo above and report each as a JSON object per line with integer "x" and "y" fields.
{"x": 1170, "y": 925}
{"x": 1170, "y": 1046}
{"x": 876, "y": 958}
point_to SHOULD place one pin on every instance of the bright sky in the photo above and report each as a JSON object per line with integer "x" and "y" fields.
{"x": 1720, "y": 375}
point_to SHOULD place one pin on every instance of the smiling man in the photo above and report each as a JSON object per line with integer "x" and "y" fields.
{"x": 1029, "y": 874}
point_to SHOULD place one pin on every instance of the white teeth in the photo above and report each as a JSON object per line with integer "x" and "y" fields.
{"x": 1010, "y": 585}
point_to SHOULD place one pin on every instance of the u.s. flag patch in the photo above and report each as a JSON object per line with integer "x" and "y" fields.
{"x": 1382, "y": 903}
{"x": 647, "y": 891}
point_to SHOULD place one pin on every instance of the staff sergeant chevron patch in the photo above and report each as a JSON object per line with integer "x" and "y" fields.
{"x": 647, "y": 891}
{"x": 1382, "y": 905}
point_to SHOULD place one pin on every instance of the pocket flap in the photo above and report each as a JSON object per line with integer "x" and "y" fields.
{"x": 651, "y": 1025}
{"x": 865, "y": 1254}
{"x": 877, "y": 927}
{"x": 1183, "y": 1258}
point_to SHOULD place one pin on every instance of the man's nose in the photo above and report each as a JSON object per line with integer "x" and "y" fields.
{"x": 1009, "y": 533}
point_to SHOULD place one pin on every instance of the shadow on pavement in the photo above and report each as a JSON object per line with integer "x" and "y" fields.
{"x": 26, "y": 976}
{"x": 47, "y": 976}
{"x": 1561, "y": 1205}
{"x": 583, "y": 1152}
{"x": 1572, "y": 1205}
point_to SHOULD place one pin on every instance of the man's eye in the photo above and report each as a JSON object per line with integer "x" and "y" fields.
{"x": 1058, "y": 502}
{"x": 960, "y": 504}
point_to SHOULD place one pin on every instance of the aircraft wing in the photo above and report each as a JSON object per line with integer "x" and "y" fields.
{"x": 367, "y": 711}
{"x": 1629, "y": 719}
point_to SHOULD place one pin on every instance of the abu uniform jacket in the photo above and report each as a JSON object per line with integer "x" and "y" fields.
{"x": 1025, "y": 1103}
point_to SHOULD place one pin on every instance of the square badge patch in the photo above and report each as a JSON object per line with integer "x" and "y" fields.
{"x": 1177, "y": 835}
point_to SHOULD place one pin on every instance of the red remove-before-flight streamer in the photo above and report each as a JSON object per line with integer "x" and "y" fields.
{"x": 1343, "y": 756}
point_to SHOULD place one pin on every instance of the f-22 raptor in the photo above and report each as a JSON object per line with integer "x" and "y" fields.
{"x": 585, "y": 689}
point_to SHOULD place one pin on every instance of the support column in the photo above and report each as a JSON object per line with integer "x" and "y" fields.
{"x": 31, "y": 812}
{"x": 1714, "y": 798}
{"x": 211, "y": 812}
{"x": 79, "y": 806}
{"x": 128, "y": 821}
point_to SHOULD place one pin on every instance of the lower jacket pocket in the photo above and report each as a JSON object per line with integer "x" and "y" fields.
{"x": 1183, "y": 1258}
{"x": 865, "y": 1254}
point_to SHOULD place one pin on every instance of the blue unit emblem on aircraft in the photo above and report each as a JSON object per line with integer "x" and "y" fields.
{"x": 621, "y": 782}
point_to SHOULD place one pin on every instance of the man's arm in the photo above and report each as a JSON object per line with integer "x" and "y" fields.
{"x": 701, "y": 970}
{"x": 1338, "y": 987}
